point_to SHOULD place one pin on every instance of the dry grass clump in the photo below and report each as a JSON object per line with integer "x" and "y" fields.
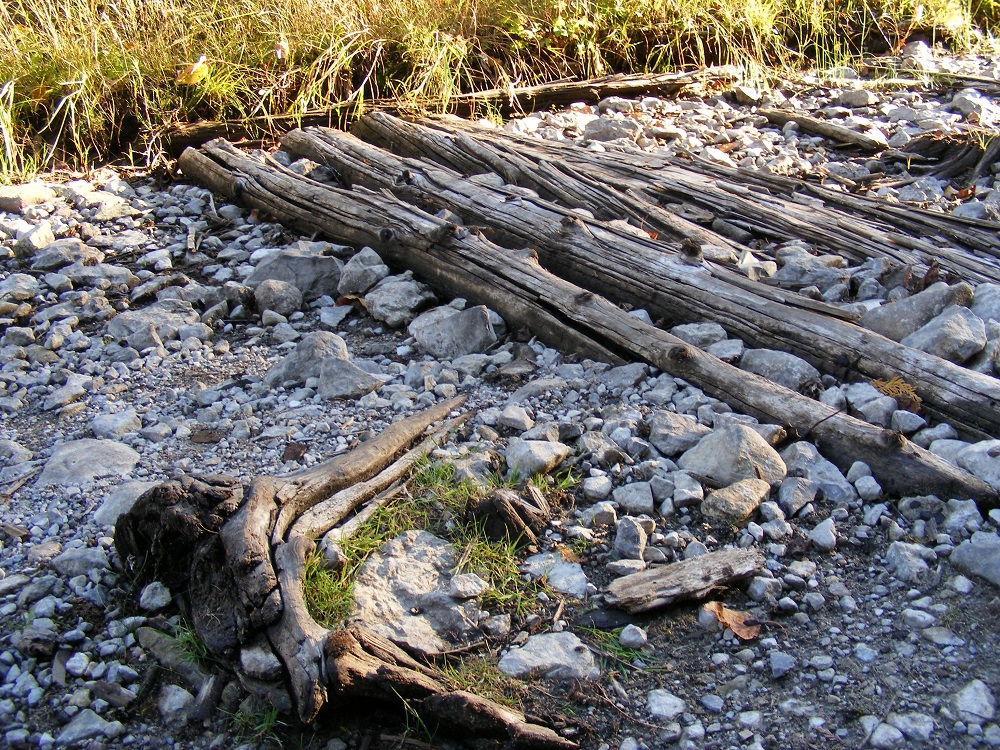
{"x": 82, "y": 79}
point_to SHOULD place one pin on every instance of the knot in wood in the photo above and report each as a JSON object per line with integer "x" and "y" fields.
{"x": 403, "y": 178}
{"x": 386, "y": 235}
{"x": 680, "y": 353}
{"x": 891, "y": 440}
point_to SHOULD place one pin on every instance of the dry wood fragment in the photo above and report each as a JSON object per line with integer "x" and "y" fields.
{"x": 827, "y": 129}
{"x": 694, "y": 578}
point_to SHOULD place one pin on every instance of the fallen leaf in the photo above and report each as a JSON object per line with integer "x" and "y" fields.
{"x": 734, "y": 620}
{"x": 194, "y": 73}
{"x": 294, "y": 451}
{"x": 206, "y": 436}
{"x": 14, "y": 531}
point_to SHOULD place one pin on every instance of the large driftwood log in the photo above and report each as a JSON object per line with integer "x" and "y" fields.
{"x": 770, "y": 207}
{"x": 242, "y": 573}
{"x": 469, "y": 265}
{"x": 639, "y": 271}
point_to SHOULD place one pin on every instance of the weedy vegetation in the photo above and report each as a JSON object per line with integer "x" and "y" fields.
{"x": 81, "y": 81}
{"x": 193, "y": 651}
{"x": 436, "y": 503}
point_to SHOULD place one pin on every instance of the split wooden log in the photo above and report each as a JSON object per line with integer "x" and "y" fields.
{"x": 628, "y": 269}
{"x": 466, "y": 264}
{"x": 827, "y": 129}
{"x": 770, "y": 207}
{"x": 694, "y": 578}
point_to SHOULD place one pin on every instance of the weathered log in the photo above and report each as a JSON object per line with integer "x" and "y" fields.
{"x": 629, "y": 269}
{"x": 694, "y": 578}
{"x": 464, "y": 263}
{"x": 826, "y": 129}
{"x": 771, "y": 207}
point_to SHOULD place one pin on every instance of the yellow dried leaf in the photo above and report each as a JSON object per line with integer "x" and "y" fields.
{"x": 194, "y": 73}
{"x": 734, "y": 620}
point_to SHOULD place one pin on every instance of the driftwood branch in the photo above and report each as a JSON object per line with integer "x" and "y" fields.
{"x": 694, "y": 578}
{"x": 467, "y": 264}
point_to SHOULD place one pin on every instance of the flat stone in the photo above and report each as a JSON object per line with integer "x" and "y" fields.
{"x": 562, "y": 576}
{"x": 781, "y": 663}
{"x": 914, "y": 726}
{"x": 664, "y": 705}
{"x": 607, "y": 129}
{"x": 79, "y": 462}
{"x": 80, "y": 561}
{"x": 87, "y": 725}
{"x": 702, "y": 335}
{"x": 635, "y": 498}
{"x": 736, "y": 502}
{"x": 19, "y": 287}
{"x": 529, "y": 457}
{"x": 16, "y": 198}
{"x": 557, "y": 656}
{"x": 112, "y": 426}
{"x": 401, "y": 592}
{"x": 65, "y": 252}
{"x": 163, "y": 317}
{"x": 307, "y": 267}
{"x": 975, "y": 703}
{"x": 732, "y": 453}
{"x": 979, "y": 556}
{"x": 978, "y": 459}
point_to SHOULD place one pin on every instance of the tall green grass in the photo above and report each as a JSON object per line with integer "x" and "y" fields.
{"x": 82, "y": 79}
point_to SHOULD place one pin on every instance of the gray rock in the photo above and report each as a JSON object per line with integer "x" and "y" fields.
{"x": 467, "y": 586}
{"x": 75, "y": 388}
{"x": 564, "y": 577}
{"x": 986, "y": 303}
{"x": 278, "y": 296}
{"x": 19, "y": 287}
{"x": 306, "y": 360}
{"x": 175, "y": 704}
{"x": 333, "y": 316}
{"x": 17, "y": 336}
{"x": 978, "y": 459}
{"x": 664, "y": 705}
{"x": 79, "y": 462}
{"x": 602, "y": 450}
{"x": 885, "y": 736}
{"x": 908, "y": 562}
{"x": 625, "y": 376}
{"x": 956, "y": 334}
{"x": 446, "y": 333}
{"x": 163, "y": 317}
{"x": 80, "y": 561}
{"x": 898, "y": 320}
{"x": 529, "y": 457}
{"x": 736, "y": 502}
{"x": 259, "y": 662}
{"x": 975, "y": 703}
{"x": 339, "y": 378}
{"x": 979, "y": 556}
{"x": 633, "y": 636}
{"x": 857, "y": 98}
{"x": 780, "y": 367}
{"x": 672, "y": 433}
{"x": 119, "y": 501}
{"x": 914, "y": 726}
{"x": 630, "y": 538}
{"x": 906, "y": 422}
{"x": 559, "y": 656}
{"x": 112, "y": 426}
{"x": 732, "y": 453}
{"x": 363, "y": 271}
{"x": 781, "y": 663}
{"x": 16, "y": 198}
{"x": 66, "y": 252}
{"x": 962, "y": 515}
{"x": 636, "y": 498}
{"x": 608, "y": 129}
{"x": 401, "y": 592}
{"x": 702, "y": 335}
{"x": 154, "y": 596}
{"x": 804, "y": 460}
{"x": 516, "y": 418}
{"x": 305, "y": 267}
{"x": 87, "y": 725}
{"x": 396, "y": 300}
{"x": 34, "y": 239}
